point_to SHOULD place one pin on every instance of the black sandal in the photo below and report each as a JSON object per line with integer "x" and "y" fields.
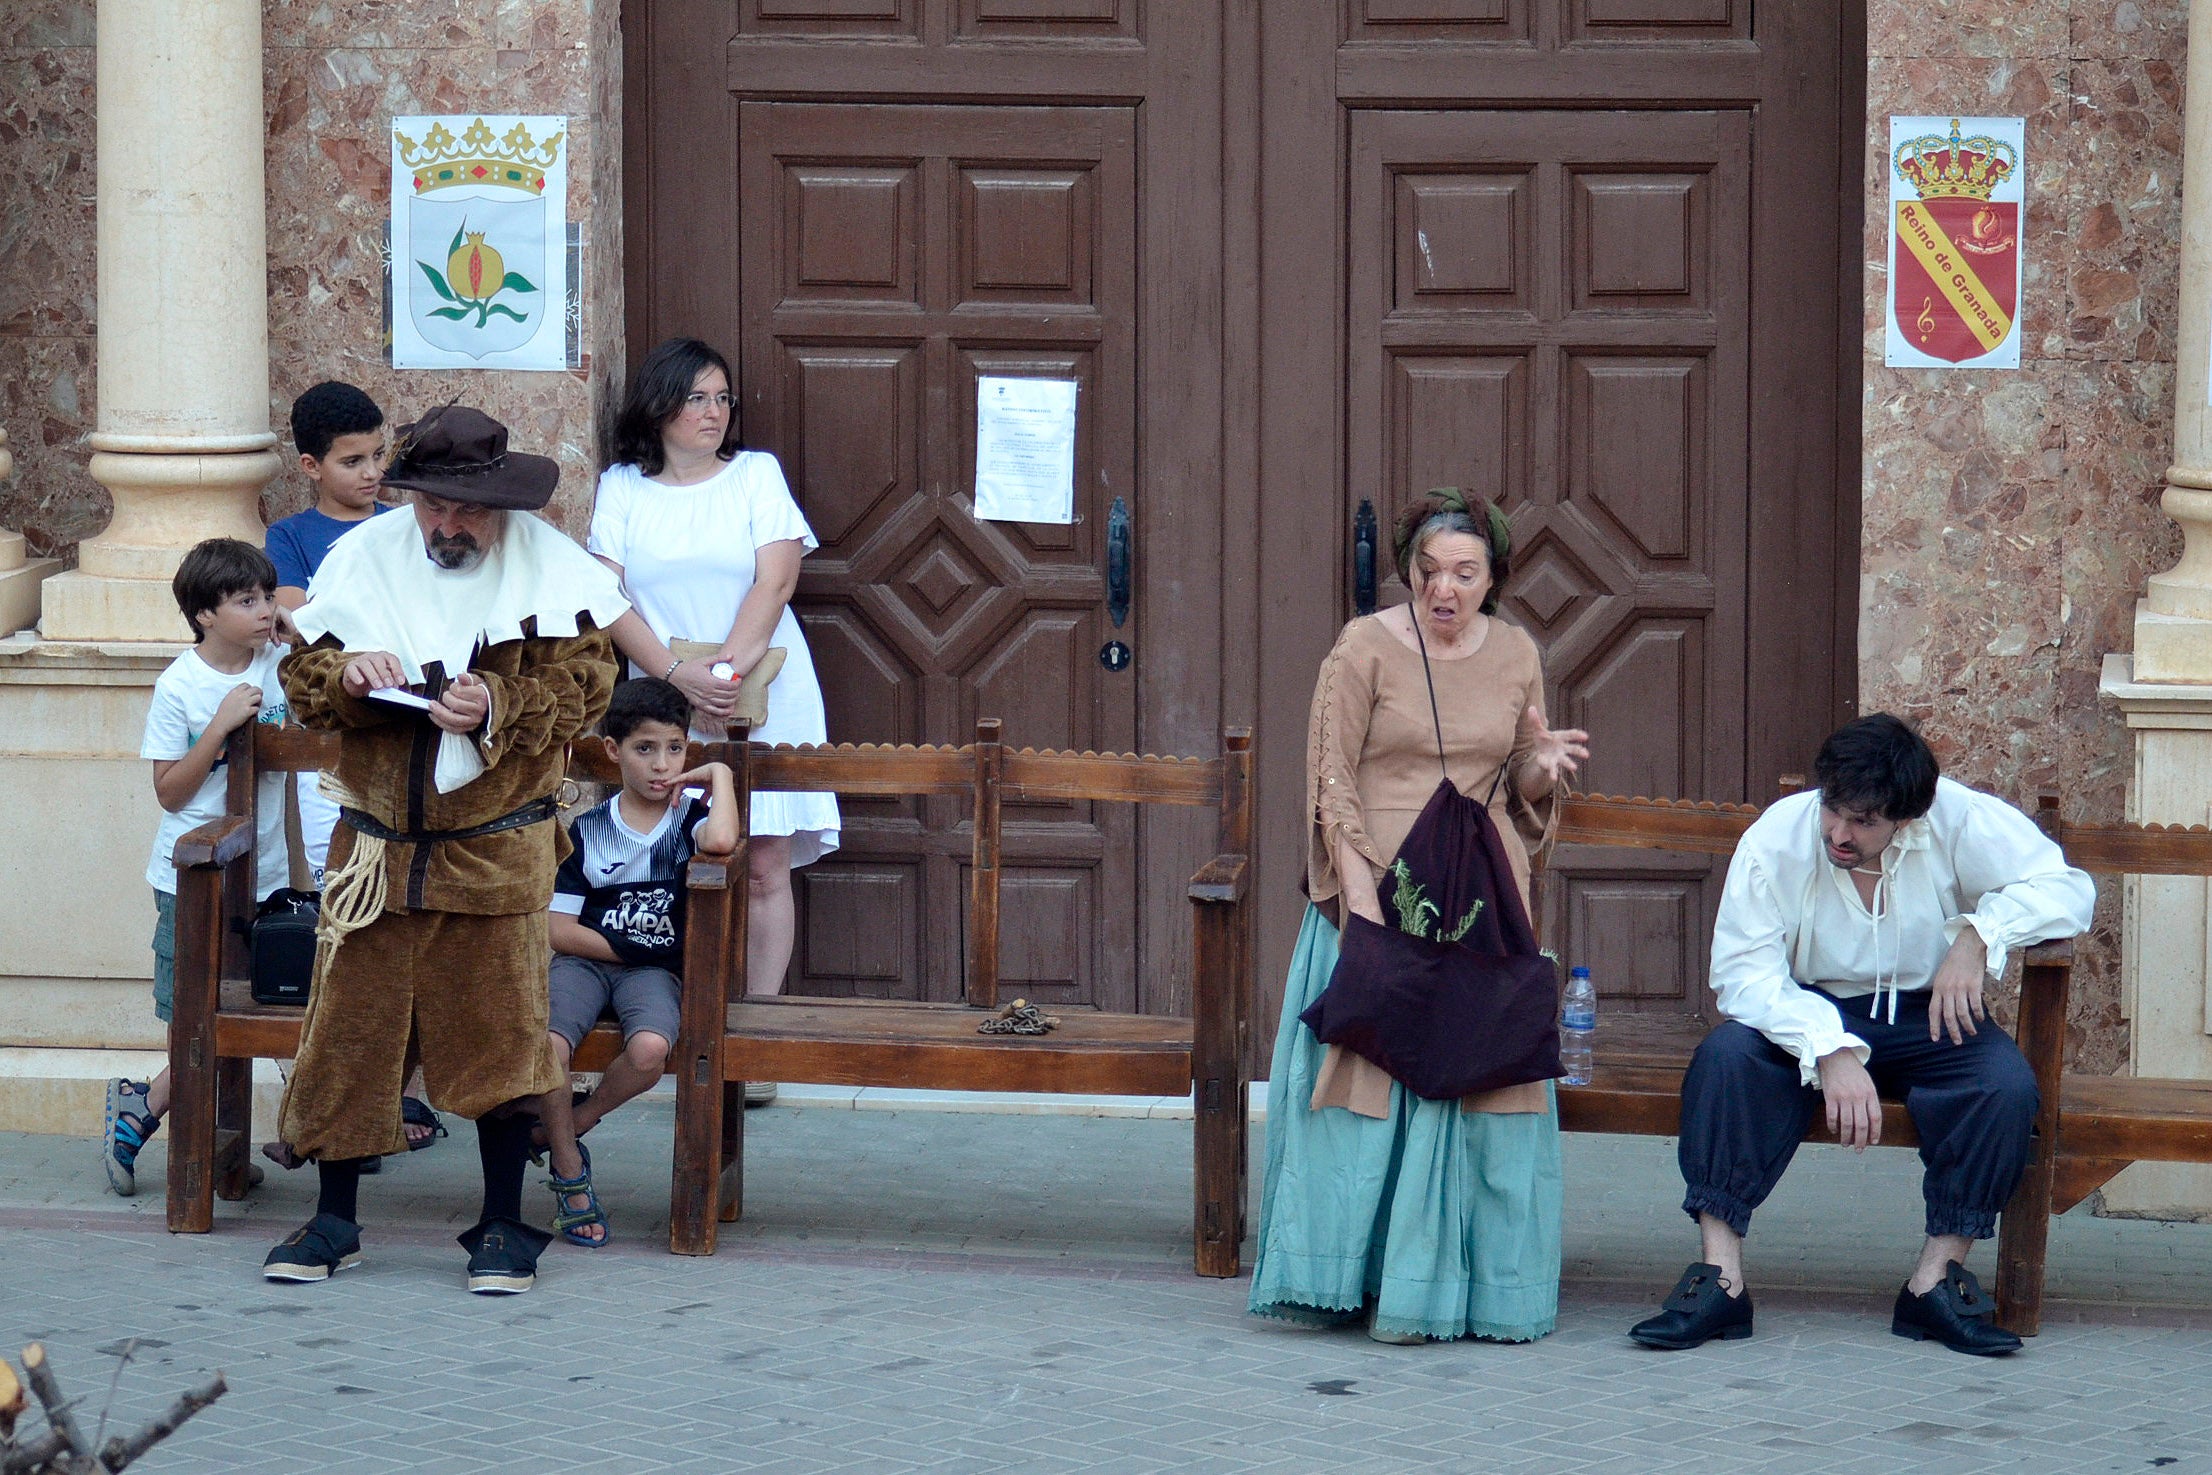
{"x": 414, "y": 1112}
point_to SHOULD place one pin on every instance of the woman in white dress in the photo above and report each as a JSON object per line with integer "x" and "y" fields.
{"x": 707, "y": 541}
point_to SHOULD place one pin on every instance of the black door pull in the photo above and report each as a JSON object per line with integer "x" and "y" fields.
{"x": 1117, "y": 563}
{"x": 1363, "y": 558}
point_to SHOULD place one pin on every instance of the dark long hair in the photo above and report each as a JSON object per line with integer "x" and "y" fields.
{"x": 656, "y": 396}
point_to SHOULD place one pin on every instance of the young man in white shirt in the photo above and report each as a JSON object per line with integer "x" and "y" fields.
{"x": 1857, "y": 931}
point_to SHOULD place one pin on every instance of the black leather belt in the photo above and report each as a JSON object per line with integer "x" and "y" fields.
{"x": 536, "y": 812}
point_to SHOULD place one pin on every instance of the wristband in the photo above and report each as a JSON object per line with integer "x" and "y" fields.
{"x": 671, "y": 671}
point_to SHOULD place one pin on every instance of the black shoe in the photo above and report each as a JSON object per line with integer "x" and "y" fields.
{"x": 317, "y": 1250}
{"x": 1696, "y": 1311}
{"x": 503, "y": 1256}
{"x": 1954, "y": 1312}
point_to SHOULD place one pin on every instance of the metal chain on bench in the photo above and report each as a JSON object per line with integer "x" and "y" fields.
{"x": 1018, "y": 1018}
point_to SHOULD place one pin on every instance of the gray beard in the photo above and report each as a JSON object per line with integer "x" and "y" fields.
{"x": 456, "y": 555}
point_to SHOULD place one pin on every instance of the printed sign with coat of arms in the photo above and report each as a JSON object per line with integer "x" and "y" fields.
{"x": 479, "y": 226}
{"x": 1954, "y": 242}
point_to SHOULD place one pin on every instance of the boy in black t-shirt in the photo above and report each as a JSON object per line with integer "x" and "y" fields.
{"x": 617, "y": 924}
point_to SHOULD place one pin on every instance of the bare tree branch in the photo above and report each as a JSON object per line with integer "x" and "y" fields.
{"x": 58, "y": 1409}
{"x": 38, "y": 1455}
{"x": 119, "y": 1452}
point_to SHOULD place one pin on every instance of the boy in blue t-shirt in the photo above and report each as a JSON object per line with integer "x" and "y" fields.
{"x": 340, "y": 435}
{"x": 616, "y": 924}
{"x": 226, "y": 591}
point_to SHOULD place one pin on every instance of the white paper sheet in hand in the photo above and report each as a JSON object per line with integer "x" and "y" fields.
{"x": 1025, "y": 450}
{"x": 399, "y": 696}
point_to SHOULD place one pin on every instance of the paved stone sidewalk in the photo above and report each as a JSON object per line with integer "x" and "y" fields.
{"x": 921, "y": 1292}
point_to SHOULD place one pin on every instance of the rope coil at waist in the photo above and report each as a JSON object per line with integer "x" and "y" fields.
{"x": 354, "y": 894}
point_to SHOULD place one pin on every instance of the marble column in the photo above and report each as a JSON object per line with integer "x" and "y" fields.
{"x": 183, "y": 439}
{"x": 2165, "y": 690}
{"x": 20, "y": 575}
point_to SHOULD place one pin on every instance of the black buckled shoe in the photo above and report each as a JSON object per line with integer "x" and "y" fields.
{"x": 317, "y": 1250}
{"x": 1955, "y": 1312}
{"x": 503, "y": 1256}
{"x": 1697, "y": 1310}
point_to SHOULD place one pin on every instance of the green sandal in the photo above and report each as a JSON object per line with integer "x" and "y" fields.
{"x": 569, "y": 1221}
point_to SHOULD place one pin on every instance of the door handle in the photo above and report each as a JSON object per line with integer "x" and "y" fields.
{"x": 1363, "y": 558}
{"x": 1117, "y": 563}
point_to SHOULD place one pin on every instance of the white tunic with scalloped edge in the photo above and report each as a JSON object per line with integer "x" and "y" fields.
{"x": 1790, "y": 917}
{"x": 688, "y": 561}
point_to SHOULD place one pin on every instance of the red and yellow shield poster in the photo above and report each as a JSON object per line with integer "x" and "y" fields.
{"x": 1954, "y": 256}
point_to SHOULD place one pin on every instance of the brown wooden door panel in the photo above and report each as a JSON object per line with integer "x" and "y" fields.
{"x": 914, "y": 250}
{"x": 1551, "y": 308}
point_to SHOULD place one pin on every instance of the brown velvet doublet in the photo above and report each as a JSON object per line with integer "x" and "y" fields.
{"x": 457, "y": 960}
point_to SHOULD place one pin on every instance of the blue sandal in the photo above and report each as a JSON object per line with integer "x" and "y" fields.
{"x": 571, "y": 1221}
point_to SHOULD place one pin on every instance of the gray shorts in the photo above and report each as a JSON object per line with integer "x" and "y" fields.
{"x": 642, "y": 998}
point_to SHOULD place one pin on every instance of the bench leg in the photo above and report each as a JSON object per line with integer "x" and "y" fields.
{"x": 1218, "y": 1173}
{"x": 2024, "y": 1229}
{"x": 192, "y": 1065}
{"x": 733, "y": 1151}
{"x": 233, "y": 1127}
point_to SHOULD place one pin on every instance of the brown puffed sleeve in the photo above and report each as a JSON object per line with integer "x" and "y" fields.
{"x": 558, "y": 694}
{"x": 1538, "y": 820}
{"x": 314, "y": 688}
{"x": 1336, "y": 735}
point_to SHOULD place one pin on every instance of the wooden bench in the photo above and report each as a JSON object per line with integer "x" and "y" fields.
{"x": 2088, "y": 1127}
{"x": 726, "y": 1039}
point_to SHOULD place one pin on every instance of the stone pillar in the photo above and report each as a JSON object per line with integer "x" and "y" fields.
{"x": 20, "y": 576}
{"x": 2166, "y": 691}
{"x": 183, "y": 439}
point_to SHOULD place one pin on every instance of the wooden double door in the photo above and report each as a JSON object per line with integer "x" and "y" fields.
{"x": 1592, "y": 258}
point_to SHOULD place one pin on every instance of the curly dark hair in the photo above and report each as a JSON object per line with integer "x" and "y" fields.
{"x": 644, "y": 699}
{"x": 329, "y": 410}
{"x": 656, "y": 396}
{"x": 1447, "y": 510}
{"x": 1877, "y": 765}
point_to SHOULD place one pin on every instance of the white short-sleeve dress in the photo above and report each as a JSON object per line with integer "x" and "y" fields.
{"x": 687, "y": 556}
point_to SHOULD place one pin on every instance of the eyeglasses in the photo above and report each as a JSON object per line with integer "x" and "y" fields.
{"x": 697, "y": 401}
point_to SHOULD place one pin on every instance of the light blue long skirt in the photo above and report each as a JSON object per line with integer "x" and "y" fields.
{"x": 1443, "y": 1222}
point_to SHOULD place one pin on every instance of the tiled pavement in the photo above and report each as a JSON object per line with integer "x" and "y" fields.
{"x": 916, "y": 1291}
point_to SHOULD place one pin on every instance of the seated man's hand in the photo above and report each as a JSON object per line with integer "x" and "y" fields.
{"x": 1955, "y": 993}
{"x": 372, "y": 670}
{"x": 464, "y": 704}
{"x": 1854, "y": 1111}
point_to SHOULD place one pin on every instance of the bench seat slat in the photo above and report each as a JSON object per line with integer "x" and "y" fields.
{"x": 2137, "y": 1118}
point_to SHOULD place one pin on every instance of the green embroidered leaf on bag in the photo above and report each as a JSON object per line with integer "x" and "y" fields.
{"x": 1466, "y": 923}
{"x": 1415, "y": 911}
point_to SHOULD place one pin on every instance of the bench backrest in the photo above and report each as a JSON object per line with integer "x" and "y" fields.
{"x": 986, "y": 770}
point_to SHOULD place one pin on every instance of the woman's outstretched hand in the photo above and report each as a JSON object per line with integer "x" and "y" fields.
{"x": 1557, "y": 751}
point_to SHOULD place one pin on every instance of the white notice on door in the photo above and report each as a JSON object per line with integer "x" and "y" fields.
{"x": 1025, "y": 450}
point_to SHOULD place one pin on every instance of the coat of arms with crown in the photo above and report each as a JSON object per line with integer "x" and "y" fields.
{"x": 480, "y": 253}
{"x": 1955, "y": 242}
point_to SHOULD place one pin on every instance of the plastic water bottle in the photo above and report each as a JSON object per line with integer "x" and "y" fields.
{"x": 1578, "y": 1026}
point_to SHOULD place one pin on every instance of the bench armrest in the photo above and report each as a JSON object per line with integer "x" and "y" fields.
{"x": 214, "y": 844}
{"x": 708, "y": 872}
{"x": 1221, "y": 881}
{"x": 2056, "y": 953}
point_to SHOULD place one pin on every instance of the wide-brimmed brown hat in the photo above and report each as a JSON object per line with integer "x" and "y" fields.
{"x": 461, "y": 453}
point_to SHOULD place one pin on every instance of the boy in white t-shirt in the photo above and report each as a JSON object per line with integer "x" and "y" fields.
{"x": 226, "y": 591}
{"x": 616, "y": 924}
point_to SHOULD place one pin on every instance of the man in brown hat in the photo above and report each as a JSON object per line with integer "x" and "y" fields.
{"x": 455, "y": 652}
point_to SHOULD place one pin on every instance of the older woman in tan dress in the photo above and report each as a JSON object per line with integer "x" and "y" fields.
{"x": 1434, "y": 1219}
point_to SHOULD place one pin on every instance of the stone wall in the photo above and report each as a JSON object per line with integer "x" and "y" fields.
{"x": 2010, "y": 518}
{"x": 46, "y": 272}
{"x": 335, "y": 73}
